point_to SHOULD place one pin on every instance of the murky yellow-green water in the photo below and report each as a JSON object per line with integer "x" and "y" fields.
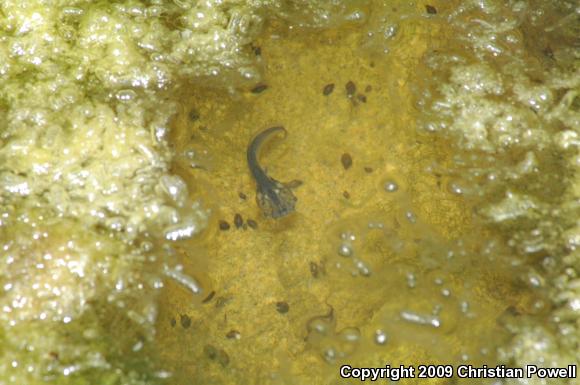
{"x": 405, "y": 238}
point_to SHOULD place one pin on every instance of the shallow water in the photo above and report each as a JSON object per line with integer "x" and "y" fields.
{"x": 386, "y": 246}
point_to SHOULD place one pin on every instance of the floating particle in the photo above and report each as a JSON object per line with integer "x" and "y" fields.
{"x": 329, "y": 355}
{"x": 252, "y": 223}
{"x": 172, "y": 322}
{"x": 368, "y": 88}
{"x": 368, "y": 170}
{"x": 390, "y": 186}
{"x": 345, "y": 250}
{"x": 238, "y": 220}
{"x": 411, "y": 217}
{"x": 233, "y": 335}
{"x": 445, "y": 292}
{"x": 431, "y": 10}
{"x": 209, "y": 297}
{"x": 411, "y": 280}
{"x": 259, "y": 88}
{"x": 327, "y": 90}
{"x": 258, "y": 51}
{"x": 380, "y": 337}
{"x": 224, "y": 225}
{"x": 222, "y": 301}
{"x": 361, "y": 98}
{"x": 437, "y": 309}
{"x": 185, "y": 321}
{"x": 242, "y": 196}
{"x": 350, "y": 88}
{"x": 314, "y": 270}
{"x": 345, "y": 194}
{"x": 548, "y": 52}
{"x": 346, "y": 160}
{"x": 194, "y": 115}
{"x": 216, "y": 354}
{"x": 282, "y": 307}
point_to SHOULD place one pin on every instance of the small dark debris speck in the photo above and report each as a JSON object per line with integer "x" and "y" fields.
{"x": 258, "y": 51}
{"x": 346, "y": 160}
{"x": 327, "y": 90}
{"x": 314, "y": 269}
{"x": 361, "y": 98}
{"x": 252, "y": 223}
{"x": 350, "y": 88}
{"x": 346, "y": 194}
{"x": 368, "y": 170}
{"x": 172, "y": 322}
{"x": 233, "y": 335}
{"x": 431, "y": 10}
{"x": 368, "y": 88}
{"x": 238, "y": 221}
{"x": 185, "y": 321}
{"x": 222, "y": 301}
{"x": 194, "y": 115}
{"x": 224, "y": 225}
{"x": 259, "y": 88}
{"x": 242, "y": 196}
{"x": 282, "y": 307}
{"x": 216, "y": 354}
{"x": 209, "y": 297}
{"x": 548, "y": 52}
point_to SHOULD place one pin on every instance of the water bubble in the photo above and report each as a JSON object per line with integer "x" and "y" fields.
{"x": 347, "y": 236}
{"x": 363, "y": 268}
{"x": 390, "y": 186}
{"x": 464, "y": 306}
{"x": 125, "y": 95}
{"x": 411, "y": 280}
{"x": 329, "y": 354}
{"x": 175, "y": 188}
{"x": 411, "y": 217}
{"x": 421, "y": 319}
{"x": 445, "y": 292}
{"x": 455, "y": 188}
{"x": 319, "y": 326}
{"x": 345, "y": 250}
{"x": 380, "y": 337}
{"x": 350, "y": 334}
